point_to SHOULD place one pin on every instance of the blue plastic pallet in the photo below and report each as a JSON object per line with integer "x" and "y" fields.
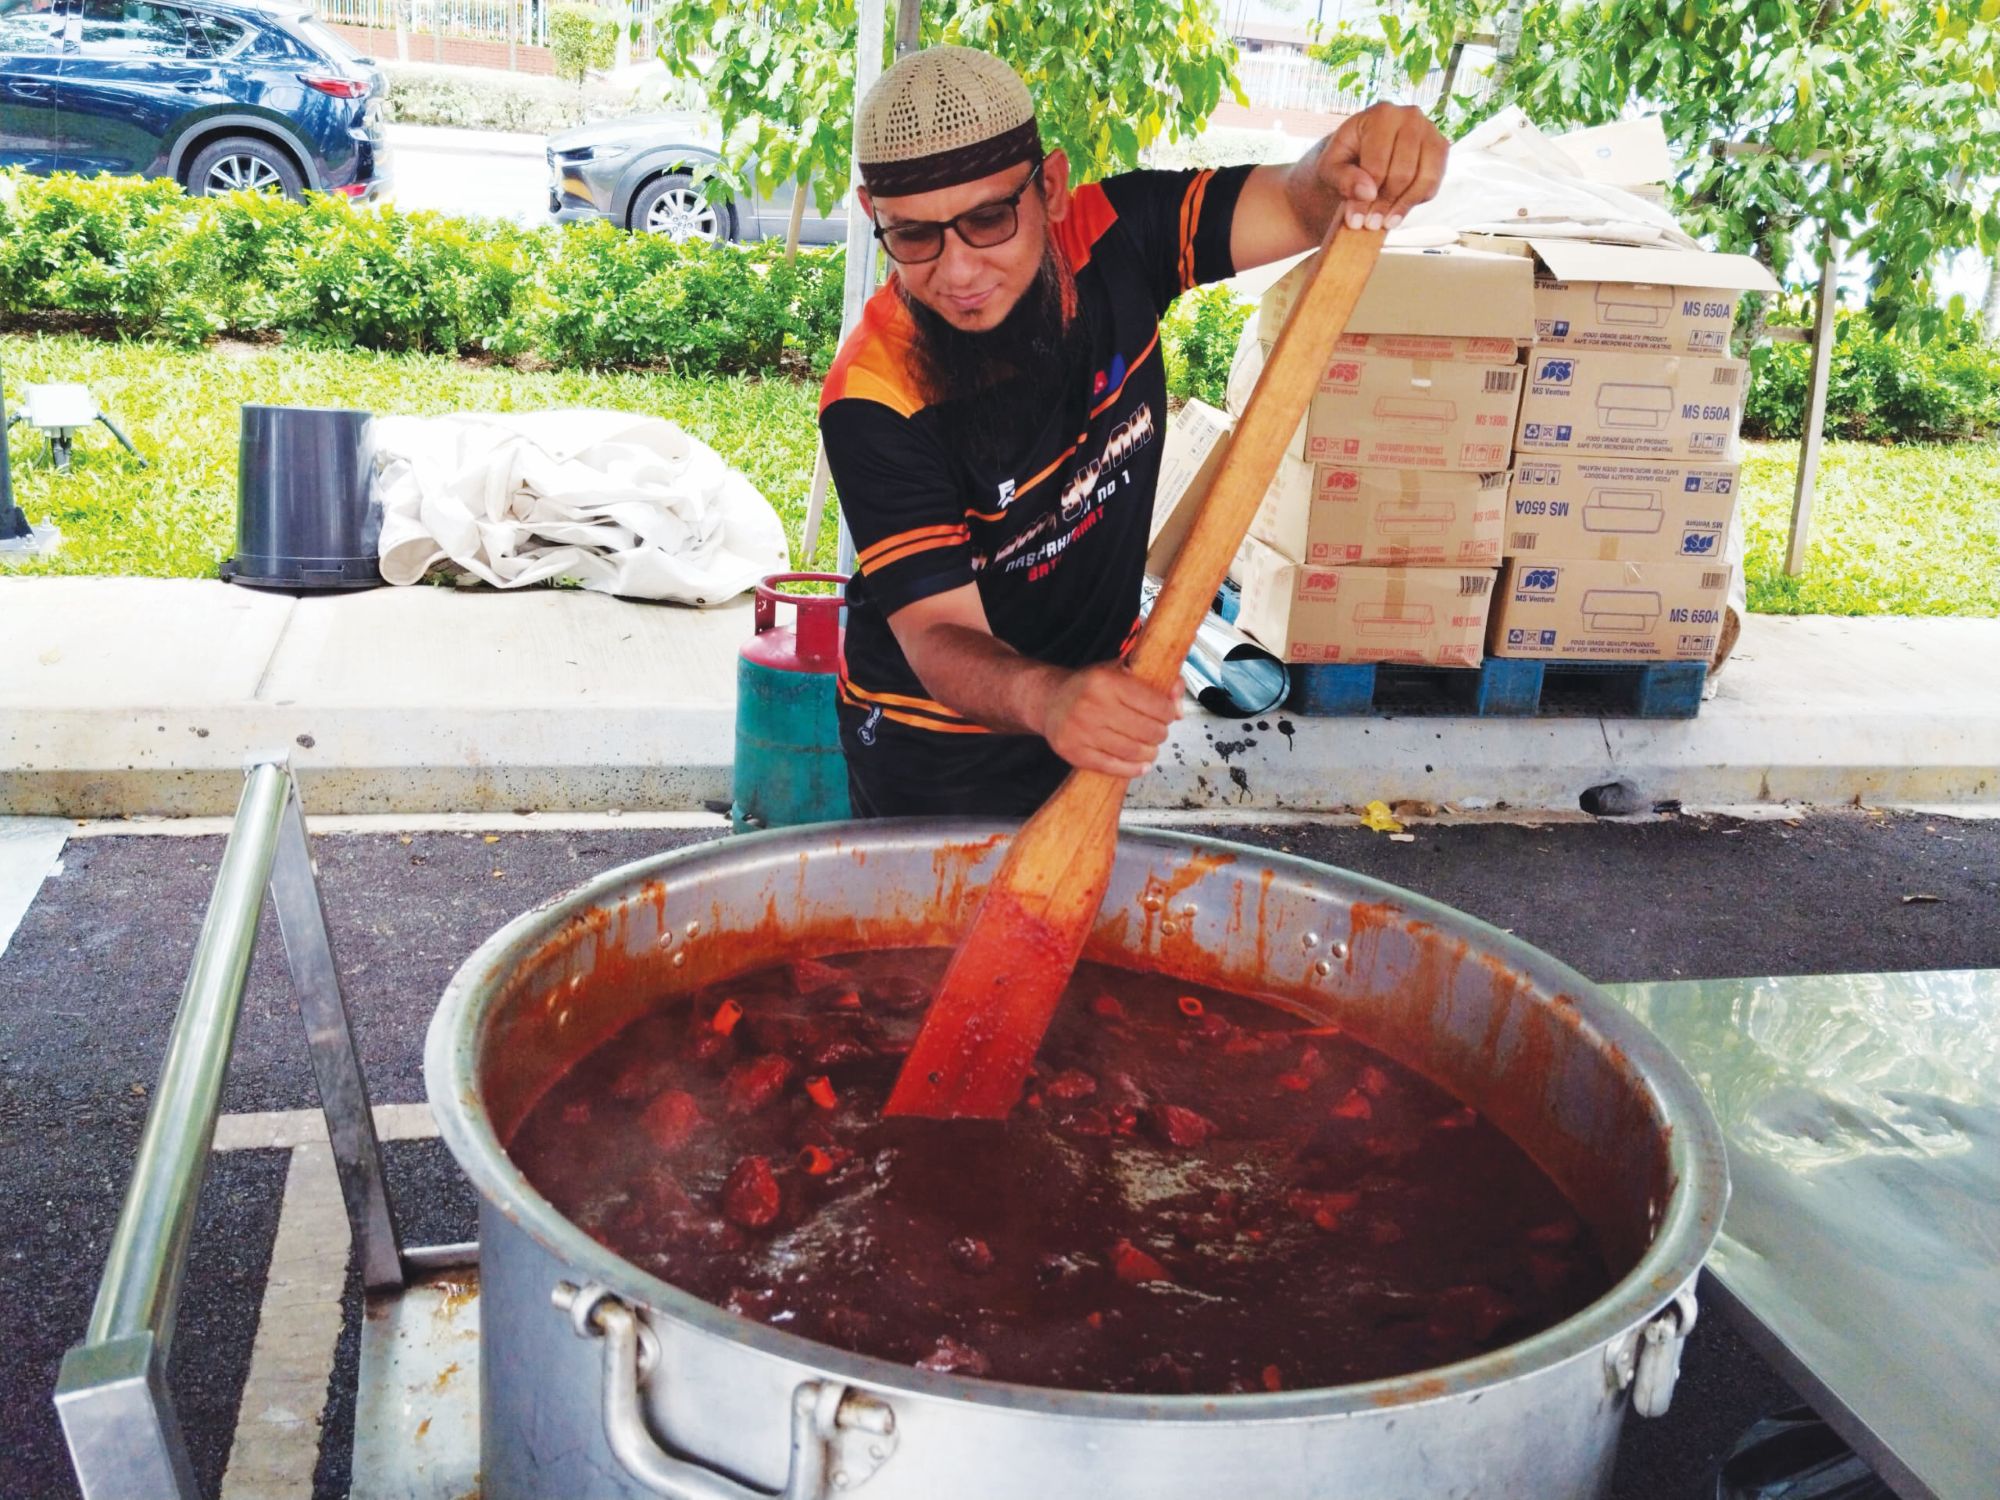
{"x": 1503, "y": 688}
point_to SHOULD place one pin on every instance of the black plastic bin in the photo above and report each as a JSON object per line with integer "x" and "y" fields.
{"x": 304, "y": 516}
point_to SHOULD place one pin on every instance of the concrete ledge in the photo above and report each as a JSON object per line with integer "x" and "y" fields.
{"x": 1816, "y": 711}
{"x": 122, "y": 697}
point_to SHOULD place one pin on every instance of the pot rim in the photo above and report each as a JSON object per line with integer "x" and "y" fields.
{"x": 1689, "y": 1220}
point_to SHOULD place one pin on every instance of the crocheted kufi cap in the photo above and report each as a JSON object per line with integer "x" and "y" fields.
{"x": 940, "y": 117}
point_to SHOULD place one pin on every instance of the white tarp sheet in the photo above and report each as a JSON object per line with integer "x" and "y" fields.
{"x": 622, "y": 503}
{"x": 1506, "y": 177}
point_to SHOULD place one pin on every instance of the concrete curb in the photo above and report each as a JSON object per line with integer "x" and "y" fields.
{"x": 133, "y": 696}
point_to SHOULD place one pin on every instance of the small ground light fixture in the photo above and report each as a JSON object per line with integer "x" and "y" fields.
{"x": 57, "y": 410}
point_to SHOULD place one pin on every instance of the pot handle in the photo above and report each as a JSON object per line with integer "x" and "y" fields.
{"x": 1648, "y": 1360}
{"x": 840, "y": 1436}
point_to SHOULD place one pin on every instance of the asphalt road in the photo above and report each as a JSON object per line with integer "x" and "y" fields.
{"x": 88, "y": 987}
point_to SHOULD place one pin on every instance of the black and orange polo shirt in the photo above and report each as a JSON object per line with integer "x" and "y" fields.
{"x": 1056, "y": 538}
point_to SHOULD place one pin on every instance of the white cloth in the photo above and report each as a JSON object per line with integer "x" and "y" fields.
{"x": 621, "y": 503}
{"x": 1506, "y": 177}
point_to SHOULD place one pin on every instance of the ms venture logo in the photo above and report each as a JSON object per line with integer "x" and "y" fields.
{"x": 1555, "y": 371}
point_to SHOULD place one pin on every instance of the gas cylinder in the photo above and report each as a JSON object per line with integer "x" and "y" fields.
{"x": 789, "y": 768}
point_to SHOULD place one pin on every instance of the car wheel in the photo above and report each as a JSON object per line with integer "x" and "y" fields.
{"x": 674, "y": 206}
{"x": 240, "y": 162}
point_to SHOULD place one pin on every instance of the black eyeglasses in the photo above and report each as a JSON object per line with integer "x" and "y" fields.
{"x": 920, "y": 240}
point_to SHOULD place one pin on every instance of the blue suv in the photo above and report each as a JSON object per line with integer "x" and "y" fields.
{"x": 217, "y": 94}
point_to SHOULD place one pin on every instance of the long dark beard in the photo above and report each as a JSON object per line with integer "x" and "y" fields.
{"x": 996, "y": 389}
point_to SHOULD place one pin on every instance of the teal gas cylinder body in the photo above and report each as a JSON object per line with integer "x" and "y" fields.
{"x": 789, "y": 768}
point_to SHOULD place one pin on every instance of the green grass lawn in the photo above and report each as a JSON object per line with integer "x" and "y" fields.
{"x": 1908, "y": 530}
{"x": 176, "y": 518}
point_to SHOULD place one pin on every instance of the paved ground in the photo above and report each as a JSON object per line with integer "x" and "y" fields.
{"x": 566, "y": 700}
{"x": 88, "y": 985}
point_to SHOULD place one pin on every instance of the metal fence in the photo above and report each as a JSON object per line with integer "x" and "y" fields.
{"x": 1273, "y": 80}
{"x": 525, "y": 21}
{"x": 522, "y": 21}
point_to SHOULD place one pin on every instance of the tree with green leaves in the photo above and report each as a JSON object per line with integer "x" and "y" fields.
{"x": 581, "y": 38}
{"x": 1881, "y": 117}
{"x": 1348, "y": 49}
{"x": 1109, "y": 76}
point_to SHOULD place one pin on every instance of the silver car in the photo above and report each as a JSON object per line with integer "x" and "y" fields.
{"x": 642, "y": 172}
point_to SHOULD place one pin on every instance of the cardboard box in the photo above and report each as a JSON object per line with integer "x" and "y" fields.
{"x": 1380, "y": 412}
{"x": 1478, "y": 351}
{"x": 1619, "y": 404}
{"x": 1475, "y": 299}
{"x": 1592, "y": 610}
{"x": 1197, "y": 439}
{"x": 1335, "y": 513}
{"x": 1303, "y": 613}
{"x": 1590, "y": 296}
{"x": 1625, "y": 154}
{"x": 1631, "y": 510}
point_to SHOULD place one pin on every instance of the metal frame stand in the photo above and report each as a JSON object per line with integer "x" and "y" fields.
{"x": 117, "y": 1413}
{"x": 18, "y": 536}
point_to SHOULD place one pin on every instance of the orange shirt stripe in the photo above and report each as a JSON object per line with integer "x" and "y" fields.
{"x": 927, "y": 715}
{"x": 892, "y": 543}
{"x": 1198, "y": 190}
{"x": 903, "y": 700}
{"x": 914, "y": 548}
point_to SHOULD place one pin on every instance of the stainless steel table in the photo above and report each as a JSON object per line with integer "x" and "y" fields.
{"x": 1861, "y": 1250}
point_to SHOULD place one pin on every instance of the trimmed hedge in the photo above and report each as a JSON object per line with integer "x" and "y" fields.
{"x": 141, "y": 259}
{"x": 481, "y": 99}
{"x": 1883, "y": 388}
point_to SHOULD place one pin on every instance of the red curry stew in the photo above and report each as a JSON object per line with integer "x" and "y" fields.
{"x": 1200, "y": 1192}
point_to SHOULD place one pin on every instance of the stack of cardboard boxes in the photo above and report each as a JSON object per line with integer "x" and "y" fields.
{"x": 1625, "y": 460}
{"x": 1380, "y": 537}
{"x": 1442, "y": 496}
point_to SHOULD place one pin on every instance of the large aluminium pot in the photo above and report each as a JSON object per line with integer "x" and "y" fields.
{"x": 600, "y": 1380}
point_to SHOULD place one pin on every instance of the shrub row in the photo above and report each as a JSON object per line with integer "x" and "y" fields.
{"x": 1883, "y": 387}
{"x": 142, "y": 259}
{"x": 482, "y": 99}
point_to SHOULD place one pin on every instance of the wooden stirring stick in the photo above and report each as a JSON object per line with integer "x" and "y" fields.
{"x": 981, "y": 1034}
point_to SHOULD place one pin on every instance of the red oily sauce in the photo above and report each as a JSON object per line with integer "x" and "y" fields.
{"x": 1199, "y": 1193}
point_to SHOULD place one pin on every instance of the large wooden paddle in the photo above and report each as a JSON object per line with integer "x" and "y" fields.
{"x": 981, "y": 1034}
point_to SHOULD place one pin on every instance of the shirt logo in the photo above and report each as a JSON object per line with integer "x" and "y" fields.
{"x": 1108, "y": 379}
{"x": 1006, "y": 493}
{"x": 1129, "y": 435}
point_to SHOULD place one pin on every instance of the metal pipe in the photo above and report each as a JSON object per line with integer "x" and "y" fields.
{"x": 13, "y": 524}
{"x": 1824, "y": 329}
{"x": 457, "y": 1256}
{"x": 343, "y": 1091}
{"x": 148, "y": 1258}
{"x": 860, "y": 284}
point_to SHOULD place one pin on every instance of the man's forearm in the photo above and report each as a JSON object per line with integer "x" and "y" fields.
{"x": 1312, "y": 199}
{"x": 985, "y": 679}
